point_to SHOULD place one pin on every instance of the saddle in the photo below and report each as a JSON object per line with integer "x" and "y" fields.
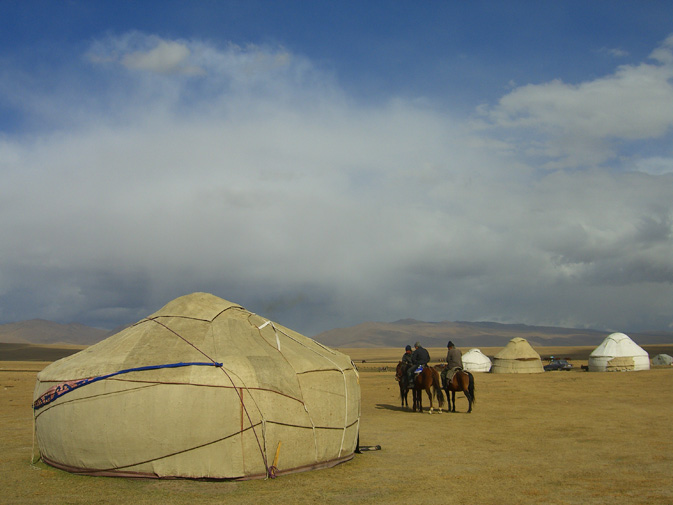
{"x": 448, "y": 373}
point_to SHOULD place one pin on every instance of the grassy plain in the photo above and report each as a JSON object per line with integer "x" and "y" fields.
{"x": 553, "y": 438}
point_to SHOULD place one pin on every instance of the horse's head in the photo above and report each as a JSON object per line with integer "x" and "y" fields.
{"x": 400, "y": 371}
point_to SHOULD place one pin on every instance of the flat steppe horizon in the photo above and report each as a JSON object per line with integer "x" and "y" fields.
{"x": 561, "y": 438}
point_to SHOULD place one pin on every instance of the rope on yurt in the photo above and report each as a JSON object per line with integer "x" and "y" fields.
{"x": 157, "y": 458}
{"x": 262, "y": 450}
{"x": 239, "y": 394}
{"x": 274, "y": 330}
{"x": 343, "y": 433}
{"x": 271, "y": 473}
{"x": 341, "y": 370}
{"x": 59, "y": 390}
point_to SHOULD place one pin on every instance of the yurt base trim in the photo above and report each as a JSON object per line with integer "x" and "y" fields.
{"x": 142, "y": 475}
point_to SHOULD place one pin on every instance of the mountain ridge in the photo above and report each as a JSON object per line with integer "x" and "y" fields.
{"x": 41, "y": 331}
{"x": 369, "y": 334}
{"x": 470, "y": 334}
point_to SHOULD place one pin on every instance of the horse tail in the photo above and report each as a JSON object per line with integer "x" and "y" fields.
{"x": 470, "y": 387}
{"x": 437, "y": 386}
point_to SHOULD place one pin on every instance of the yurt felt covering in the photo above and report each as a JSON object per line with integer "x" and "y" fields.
{"x": 517, "y": 357}
{"x": 476, "y": 361}
{"x": 201, "y": 389}
{"x": 618, "y": 353}
{"x": 662, "y": 359}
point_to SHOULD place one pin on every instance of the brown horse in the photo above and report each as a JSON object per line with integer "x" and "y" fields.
{"x": 428, "y": 378}
{"x": 463, "y": 381}
{"x": 402, "y": 379}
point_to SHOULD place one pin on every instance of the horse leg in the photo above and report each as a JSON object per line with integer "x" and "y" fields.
{"x": 440, "y": 398}
{"x": 453, "y": 397}
{"x": 437, "y": 390}
{"x": 470, "y": 389}
{"x": 404, "y": 392}
{"x": 429, "y": 392}
{"x": 466, "y": 392}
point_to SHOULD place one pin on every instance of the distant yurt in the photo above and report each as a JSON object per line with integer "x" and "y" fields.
{"x": 662, "y": 359}
{"x": 201, "y": 389}
{"x": 476, "y": 361}
{"x": 618, "y": 353}
{"x": 517, "y": 357}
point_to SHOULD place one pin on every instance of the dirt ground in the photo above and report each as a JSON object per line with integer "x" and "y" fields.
{"x": 553, "y": 438}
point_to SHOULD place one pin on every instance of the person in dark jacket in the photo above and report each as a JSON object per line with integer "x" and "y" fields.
{"x": 454, "y": 362}
{"x": 406, "y": 357}
{"x": 406, "y": 360}
{"x": 420, "y": 357}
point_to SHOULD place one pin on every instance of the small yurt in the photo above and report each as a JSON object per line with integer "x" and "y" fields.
{"x": 201, "y": 389}
{"x": 476, "y": 361}
{"x": 618, "y": 353}
{"x": 662, "y": 359}
{"x": 517, "y": 357}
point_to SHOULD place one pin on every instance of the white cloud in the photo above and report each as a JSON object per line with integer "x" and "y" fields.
{"x": 138, "y": 51}
{"x": 656, "y": 165}
{"x": 614, "y": 52}
{"x": 262, "y": 182}
{"x": 664, "y": 53}
{"x": 165, "y": 58}
{"x": 582, "y": 124}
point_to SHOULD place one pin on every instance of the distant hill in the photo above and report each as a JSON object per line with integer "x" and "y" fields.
{"x": 365, "y": 335}
{"x": 469, "y": 334}
{"x": 36, "y": 352}
{"x": 39, "y": 331}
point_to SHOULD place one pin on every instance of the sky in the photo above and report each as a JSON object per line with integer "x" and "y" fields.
{"x": 326, "y": 164}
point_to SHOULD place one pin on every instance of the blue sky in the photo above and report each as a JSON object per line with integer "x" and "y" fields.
{"x": 326, "y": 164}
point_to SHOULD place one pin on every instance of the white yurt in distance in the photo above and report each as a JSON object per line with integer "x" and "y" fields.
{"x": 476, "y": 361}
{"x": 618, "y": 353}
{"x": 517, "y": 357}
{"x": 200, "y": 389}
{"x": 662, "y": 360}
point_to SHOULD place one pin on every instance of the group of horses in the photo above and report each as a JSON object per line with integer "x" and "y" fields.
{"x": 428, "y": 380}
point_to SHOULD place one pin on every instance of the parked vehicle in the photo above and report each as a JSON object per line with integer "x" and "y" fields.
{"x": 557, "y": 364}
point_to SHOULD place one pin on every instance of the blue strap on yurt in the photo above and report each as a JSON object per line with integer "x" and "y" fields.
{"x": 64, "y": 388}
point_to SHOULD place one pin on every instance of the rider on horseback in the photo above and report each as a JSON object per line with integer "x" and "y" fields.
{"x": 454, "y": 362}
{"x": 406, "y": 357}
{"x": 420, "y": 357}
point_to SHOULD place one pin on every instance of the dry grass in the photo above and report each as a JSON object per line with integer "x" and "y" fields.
{"x": 553, "y": 438}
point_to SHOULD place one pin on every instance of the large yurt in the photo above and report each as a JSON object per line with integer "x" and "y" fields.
{"x": 200, "y": 389}
{"x": 517, "y": 357}
{"x": 618, "y": 353}
{"x": 476, "y": 361}
{"x": 662, "y": 360}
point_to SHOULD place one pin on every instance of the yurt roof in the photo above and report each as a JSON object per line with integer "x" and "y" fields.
{"x": 662, "y": 359}
{"x": 519, "y": 349}
{"x": 475, "y": 355}
{"x": 618, "y": 344}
